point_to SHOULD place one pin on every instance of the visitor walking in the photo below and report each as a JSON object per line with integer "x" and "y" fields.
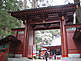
{"x": 54, "y": 56}
{"x": 46, "y": 55}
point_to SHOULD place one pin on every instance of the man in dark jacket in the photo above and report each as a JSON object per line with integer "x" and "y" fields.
{"x": 46, "y": 55}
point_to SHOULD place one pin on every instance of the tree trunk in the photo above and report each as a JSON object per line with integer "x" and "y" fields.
{"x": 78, "y": 11}
{"x": 25, "y": 4}
{"x": 34, "y": 3}
{"x": 6, "y": 30}
{"x": 76, "y": 1}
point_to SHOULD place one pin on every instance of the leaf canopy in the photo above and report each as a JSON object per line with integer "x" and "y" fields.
{"x": 6, "y": 21}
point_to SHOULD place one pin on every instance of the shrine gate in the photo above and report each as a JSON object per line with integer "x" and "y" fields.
{"x": 54, "y": 17}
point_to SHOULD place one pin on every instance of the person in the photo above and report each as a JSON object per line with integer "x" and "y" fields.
{"x": 46, "y": 55}
{"x": 54, "y": 56}
{"x": 43, "y": 57}
{"x": 35, "y": 57}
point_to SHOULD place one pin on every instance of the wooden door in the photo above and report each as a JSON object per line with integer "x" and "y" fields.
{"x": 2, "y": 56}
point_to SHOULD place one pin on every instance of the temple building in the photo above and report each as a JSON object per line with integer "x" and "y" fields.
{"x": 9, "y": 46}
{"x": 54, "y": 47}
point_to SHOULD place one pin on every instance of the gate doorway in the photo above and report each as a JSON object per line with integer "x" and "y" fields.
{"x": 47, "y": 40}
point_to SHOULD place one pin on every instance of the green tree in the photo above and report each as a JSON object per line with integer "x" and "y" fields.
{"x": 45, "y": 37}
{"x": 6, "y": 21}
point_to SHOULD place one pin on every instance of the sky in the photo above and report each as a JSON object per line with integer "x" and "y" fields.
{"x": 53, "y": 3}
{"x": 59, "y": 2}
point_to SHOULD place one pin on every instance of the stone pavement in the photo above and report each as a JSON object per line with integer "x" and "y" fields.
{"x": 25, "y": 59}
{"x": 45, "y": 60}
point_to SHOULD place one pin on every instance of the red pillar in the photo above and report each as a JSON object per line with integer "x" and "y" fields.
{"x": 26, "y": 40}
{"x": 63, "y": 38}
{"x": 33, "y": 41}
{"x": 30, "y": 43}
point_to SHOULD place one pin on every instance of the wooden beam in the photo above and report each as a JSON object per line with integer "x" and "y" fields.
{"x": 41, "y": 21}
{"x": 73, "y": 25}
{"x": 18, "y": 29}
{"x": 47, "y": 28}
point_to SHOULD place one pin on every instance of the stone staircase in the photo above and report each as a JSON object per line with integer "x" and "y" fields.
{"x": 63, "y": 59}
{"x": 71, "y": 59}
{"x": 19, "y": 59}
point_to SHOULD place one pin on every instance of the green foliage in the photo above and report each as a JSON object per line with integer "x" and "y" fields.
{"x": 53, "y": 32}
{"x": 6, "y": 21}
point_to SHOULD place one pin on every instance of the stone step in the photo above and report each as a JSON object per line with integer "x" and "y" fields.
{"x": 71, "y": 59}
{"x": 19, "y": 59}
{"x": 25, "y": 59}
